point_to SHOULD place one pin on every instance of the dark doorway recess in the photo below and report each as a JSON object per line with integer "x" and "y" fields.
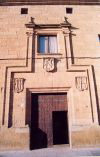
{"x": 60, "y": 127}
{"x": 48, "y": 120}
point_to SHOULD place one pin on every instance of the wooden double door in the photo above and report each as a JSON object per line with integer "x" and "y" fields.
{"x": 49, "y": 123}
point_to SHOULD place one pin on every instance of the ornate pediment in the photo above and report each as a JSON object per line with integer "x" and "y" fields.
{"x": 32, "y": 24}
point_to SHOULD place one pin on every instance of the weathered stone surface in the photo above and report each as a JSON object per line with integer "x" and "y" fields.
{"x": 12, "y": 139}
{"x": 78, "y": 57}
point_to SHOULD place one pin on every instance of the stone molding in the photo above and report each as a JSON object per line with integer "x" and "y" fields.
{"x": 49, "y": 2}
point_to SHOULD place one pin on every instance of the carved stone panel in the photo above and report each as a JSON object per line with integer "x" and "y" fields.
{"x": 18, "y": 84}
{"x": 81, "y": 83}
{"x": 49, "y": 64}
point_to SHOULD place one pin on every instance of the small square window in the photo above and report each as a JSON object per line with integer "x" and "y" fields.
{"x": 99, "y": 37}
{"x": 69, "y": 10}
{"x": 48, "y": 44}
{"x": 24, "y": 10}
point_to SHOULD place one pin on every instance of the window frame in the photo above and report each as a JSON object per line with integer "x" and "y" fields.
{"x": 38, "y": 44}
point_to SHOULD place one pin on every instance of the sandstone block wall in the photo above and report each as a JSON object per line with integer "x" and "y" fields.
{"x": 84, "y": 108}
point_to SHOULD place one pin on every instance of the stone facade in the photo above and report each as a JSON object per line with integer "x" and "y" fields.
{"x": 76, "y": 70}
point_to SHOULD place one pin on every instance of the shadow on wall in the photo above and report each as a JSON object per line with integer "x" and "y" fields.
{"x": 70, "y": 56}
{"x": 96, "y": 94}
{"x": 11, "y": 102}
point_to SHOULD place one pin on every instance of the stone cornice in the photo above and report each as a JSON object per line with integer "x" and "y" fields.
{"x": 49, "y": 2}
{"x": 32, "y": 24}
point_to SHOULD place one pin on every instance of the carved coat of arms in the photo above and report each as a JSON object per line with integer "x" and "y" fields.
{"x": 81, "y": 83}
{"x": 18, "y": 84}
{"x": 48, "y": 64}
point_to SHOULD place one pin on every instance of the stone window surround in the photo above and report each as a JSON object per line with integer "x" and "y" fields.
{"x": 47, "y": 29}
{"x": 47, "y": 32}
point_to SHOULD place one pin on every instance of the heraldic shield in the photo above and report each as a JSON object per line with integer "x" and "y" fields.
{"x": 48, "y": 64}
{"x": 18, "y": 84}
{"x": 81, "y": 83}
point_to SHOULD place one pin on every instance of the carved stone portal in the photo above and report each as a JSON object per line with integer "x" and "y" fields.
{"x": 49, "y": 64}
{"x": 81, "y": 83}
{"x": 18, "y": 84}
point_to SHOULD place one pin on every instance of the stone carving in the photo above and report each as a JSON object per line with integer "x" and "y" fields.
{"x": 49, "y": 64}
{"x": 29, "y": 34}
{"x": 81, "y": 83}
{"x": 32, "y": 20}
{"x": 18, "y": 84}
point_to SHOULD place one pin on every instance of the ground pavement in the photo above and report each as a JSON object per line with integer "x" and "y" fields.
{"x": 53, "y": 152}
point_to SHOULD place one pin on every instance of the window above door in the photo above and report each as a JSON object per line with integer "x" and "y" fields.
{"x": 47, "y": 39}
{"x": 47, "y": 44}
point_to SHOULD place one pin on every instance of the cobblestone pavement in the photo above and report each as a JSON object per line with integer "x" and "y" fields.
{"x": 53, "y": 152}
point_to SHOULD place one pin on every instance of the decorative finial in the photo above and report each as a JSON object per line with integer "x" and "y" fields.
{"x": 66, "y": 19}
{"x": 32, "y": 20}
